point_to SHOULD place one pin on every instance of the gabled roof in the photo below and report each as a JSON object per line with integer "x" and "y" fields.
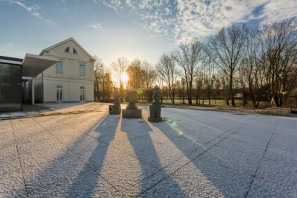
{"x": 65, "y": 41}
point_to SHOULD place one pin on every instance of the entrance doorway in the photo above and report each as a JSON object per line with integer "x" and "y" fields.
{"x": 82, "y": 94}
{"x": 59, "y": 93}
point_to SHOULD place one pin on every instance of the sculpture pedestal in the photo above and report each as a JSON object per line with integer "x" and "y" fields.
{"x": 132, "y": 113}
{"x": 114, "y": 109}
{"x": 155, "y": 108}
{"x": 131, "y": 110}
{"x": 155, "y": 119}
{"x": 155, "y": 113}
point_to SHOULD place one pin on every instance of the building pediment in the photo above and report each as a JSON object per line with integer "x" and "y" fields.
{"x": 68, "y": 48}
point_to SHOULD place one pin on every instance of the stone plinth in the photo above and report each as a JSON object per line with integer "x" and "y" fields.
{"x": 115, "y": 109}
{"x": 155, "y": 108}
{"x": 132, "y": 113}
{"x": 155, "y": 119}
{"x": 131, "y": 110}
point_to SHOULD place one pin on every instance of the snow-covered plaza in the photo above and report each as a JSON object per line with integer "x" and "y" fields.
{"x": 82, "y": 151}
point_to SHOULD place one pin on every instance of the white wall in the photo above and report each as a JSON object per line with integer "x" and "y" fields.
{"x": 71, "y": 90}
{"x": 70, "y": 78}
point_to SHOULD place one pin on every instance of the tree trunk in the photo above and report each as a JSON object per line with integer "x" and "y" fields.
{"x": 231, "y": 91}
{"x": 244, "y": 100}
{"x": 190, "y": 97}
{"x": 228, "y": 98}
{"x": 209, "y": 95}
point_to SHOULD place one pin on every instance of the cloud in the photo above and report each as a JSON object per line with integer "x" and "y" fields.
{"x": 182, "y": 20}
{"x": 114, "y": 4}
{"x": 201, "y": 18}
{"x": 28, "y": 8}
{"x": 33, "y": 10}
{"x": 97, "y": 27}
{"x": 279, "y": 10}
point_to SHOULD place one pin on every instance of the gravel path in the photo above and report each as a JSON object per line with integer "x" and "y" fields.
{"x": 83, "y": 152}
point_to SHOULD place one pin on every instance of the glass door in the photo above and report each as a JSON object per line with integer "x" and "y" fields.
{"x": 82, "y": 94}
{"x": 59, "y": 93}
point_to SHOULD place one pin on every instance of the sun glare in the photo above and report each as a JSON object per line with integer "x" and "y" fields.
{"x": 125, "y": 78}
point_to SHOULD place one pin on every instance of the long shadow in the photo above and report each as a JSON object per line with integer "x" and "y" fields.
{"x": 106, "y": 130}
{"x": 138, "y": 133}
{"x": 224, "y": 177}
{"x": 75, "y": 172}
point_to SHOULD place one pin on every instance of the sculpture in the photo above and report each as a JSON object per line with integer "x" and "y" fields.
{"x": 115, "y": 109}
{"x": 131, "y": 110}
{"x": 155, "y": 108}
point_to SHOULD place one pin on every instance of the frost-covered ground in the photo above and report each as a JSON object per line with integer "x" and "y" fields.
{"x": 77, "y": 153}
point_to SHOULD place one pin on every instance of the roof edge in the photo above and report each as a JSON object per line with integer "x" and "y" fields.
{"x": 65, "y": 41}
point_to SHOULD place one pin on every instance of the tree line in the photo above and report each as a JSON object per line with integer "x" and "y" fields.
{"x": 251, "y": 63}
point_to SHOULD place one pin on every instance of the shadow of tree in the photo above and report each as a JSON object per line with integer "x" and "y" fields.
{"x": 85, "y": 184}
{"x": 75, "y": 171}
{"x": 212, "y": 169}
{"x": 145, "y": 153}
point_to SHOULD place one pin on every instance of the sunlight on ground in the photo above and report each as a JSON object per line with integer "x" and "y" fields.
{"x": 130, "y": 161}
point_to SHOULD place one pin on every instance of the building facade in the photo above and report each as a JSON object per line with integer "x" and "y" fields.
{"x": 71, "y": 79}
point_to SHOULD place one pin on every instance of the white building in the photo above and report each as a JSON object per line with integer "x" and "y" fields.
{"x": 70, "y": 79}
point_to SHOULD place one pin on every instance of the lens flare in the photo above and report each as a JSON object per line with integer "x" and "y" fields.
{"x": 139, "y": 91}
{"x": 173, "y": 125}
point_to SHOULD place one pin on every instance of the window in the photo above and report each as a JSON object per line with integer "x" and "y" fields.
{"x": 67, "y": 49}
{"x": 59, "y": 68}
{"x": 74, "y": 51}
{"x": 82, "y": 95}
{"x": 82, "y": 70}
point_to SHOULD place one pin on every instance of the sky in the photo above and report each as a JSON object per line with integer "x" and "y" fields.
{"x": 142, "y": 29}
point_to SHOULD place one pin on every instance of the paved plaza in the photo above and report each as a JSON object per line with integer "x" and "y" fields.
{"x": 81, "y": 151}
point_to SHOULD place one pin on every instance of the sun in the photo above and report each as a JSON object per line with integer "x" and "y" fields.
{"x": 125, "y": 78}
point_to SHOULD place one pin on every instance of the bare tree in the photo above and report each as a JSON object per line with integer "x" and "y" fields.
{"x": 98, "y": 76}
{"x": 149, "y": 74}
{"x": 188, "y": 57}
{"x": 208, "y": 71}
{"x": 279, "y": 53}
{"x": 198, "y": 81}
{"x": 135, "y": 73}
{"x": 217, "y": 87}
{"x": 119, "y": 68}
{"x": 226, "y": 51}
{"x": 149, "y": 77}
{"x": 224, "y": 86}
{"x": 141, "y": 75}
{"x": 167, "y": 69}
{"x": 107, "y": 86}
{"x": 183, "y": 88}
{"x": 252, "y": 73}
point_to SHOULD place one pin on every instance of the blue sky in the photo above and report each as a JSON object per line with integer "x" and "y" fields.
{"x": 109, "y": 29}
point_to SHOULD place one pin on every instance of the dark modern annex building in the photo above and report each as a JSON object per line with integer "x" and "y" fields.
{"x": 16, "y": 76}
